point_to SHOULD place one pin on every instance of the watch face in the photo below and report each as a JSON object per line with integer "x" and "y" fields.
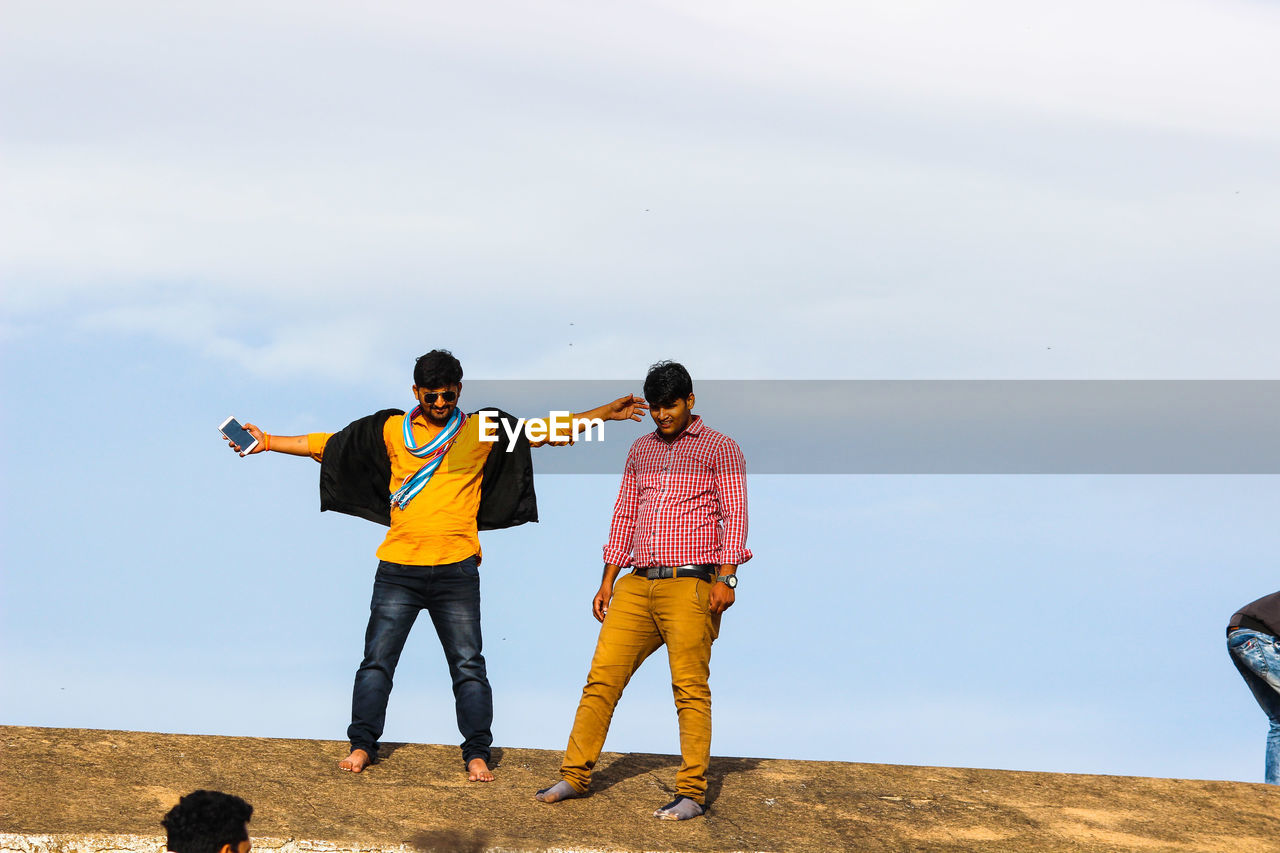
{"x": 731, "y": 581}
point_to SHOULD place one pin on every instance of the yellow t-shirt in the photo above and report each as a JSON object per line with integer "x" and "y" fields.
{"x": 439, "y": 525}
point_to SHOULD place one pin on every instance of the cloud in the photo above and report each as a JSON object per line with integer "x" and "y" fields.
{"x": 868, "y": 190}
{"x": 1188, "y": 65}
{"x": 342, "y": 347}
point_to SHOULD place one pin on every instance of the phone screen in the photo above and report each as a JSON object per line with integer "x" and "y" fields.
{"x": 231, "y": 429}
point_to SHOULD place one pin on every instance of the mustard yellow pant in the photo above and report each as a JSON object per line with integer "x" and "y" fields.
{"x": 643, "y": 615}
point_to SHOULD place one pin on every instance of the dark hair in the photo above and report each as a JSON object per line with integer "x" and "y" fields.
{"x": 437, "y": 369}
{"x": 203, "y": 821}
{"x": 667, "y": 382}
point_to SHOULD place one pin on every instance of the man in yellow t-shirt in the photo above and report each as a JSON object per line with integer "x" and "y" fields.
{"x": 430, "y": 557}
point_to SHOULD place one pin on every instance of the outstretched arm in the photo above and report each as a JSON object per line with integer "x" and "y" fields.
{"x": 294, "y": 445}
{"x": 628, "y": 408}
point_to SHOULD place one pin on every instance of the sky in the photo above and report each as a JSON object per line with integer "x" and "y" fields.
{"x": 269, "y": 211}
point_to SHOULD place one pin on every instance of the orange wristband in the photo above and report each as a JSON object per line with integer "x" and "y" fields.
{"x": 266, "y": 441}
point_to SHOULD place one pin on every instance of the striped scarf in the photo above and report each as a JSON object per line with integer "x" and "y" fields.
{"x": 432, "y": 451}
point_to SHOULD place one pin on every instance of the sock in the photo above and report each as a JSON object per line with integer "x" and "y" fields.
{"x": 561, "y": 790}
{"x": 681, "y": 808}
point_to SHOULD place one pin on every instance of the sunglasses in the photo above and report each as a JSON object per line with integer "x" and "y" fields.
{"x": 429, "y": 397}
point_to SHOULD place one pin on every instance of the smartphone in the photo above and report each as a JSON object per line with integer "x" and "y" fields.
{"x": 239, "y": 435}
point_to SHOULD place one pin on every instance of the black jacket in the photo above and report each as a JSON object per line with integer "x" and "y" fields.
{"x": 1261, "y": 615}
{"x": 355, "y": 474}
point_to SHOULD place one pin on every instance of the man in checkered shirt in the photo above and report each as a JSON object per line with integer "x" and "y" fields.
{"x": 680, "y": 526}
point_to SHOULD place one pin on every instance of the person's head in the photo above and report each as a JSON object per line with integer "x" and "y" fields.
{"x": 437, "y": 382}
{"x": 208, "y": 822}
{"x": 668, "y": 390}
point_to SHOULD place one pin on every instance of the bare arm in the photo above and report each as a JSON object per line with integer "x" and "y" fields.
{"x": 628, "y": 408}
{"x": 600, "y": 605}
{"x": 722, "y": 596}
{"x": 293, "y": 445}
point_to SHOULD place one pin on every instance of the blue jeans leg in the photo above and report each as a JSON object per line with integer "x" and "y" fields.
{"x": 1257, "y": 657}
{"x": 451, "y": 594}
{"x": 398, "y": 596}
{"x": 455, "y": 612}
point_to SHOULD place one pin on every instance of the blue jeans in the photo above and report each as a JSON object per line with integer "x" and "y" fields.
{"x": 1257, "y": 656}
{"x": 451, "y": 594}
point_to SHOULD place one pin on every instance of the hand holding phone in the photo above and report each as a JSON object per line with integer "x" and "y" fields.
{"x": 241, "y": 440}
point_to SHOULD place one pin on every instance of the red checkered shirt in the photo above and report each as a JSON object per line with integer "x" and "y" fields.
{"x": 683, "y": 502}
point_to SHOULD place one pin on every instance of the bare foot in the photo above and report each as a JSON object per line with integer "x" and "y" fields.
{"x": 478, "y": 771}
{"x": 355, "y": 762}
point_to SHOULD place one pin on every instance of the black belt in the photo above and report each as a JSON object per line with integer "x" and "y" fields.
{"x": 705, "y": 571}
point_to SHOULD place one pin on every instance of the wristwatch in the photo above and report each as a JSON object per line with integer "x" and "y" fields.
{"x": 730, "y": 581}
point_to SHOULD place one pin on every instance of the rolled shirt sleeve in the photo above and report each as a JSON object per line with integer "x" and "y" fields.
{"x": 315, "y": 444}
